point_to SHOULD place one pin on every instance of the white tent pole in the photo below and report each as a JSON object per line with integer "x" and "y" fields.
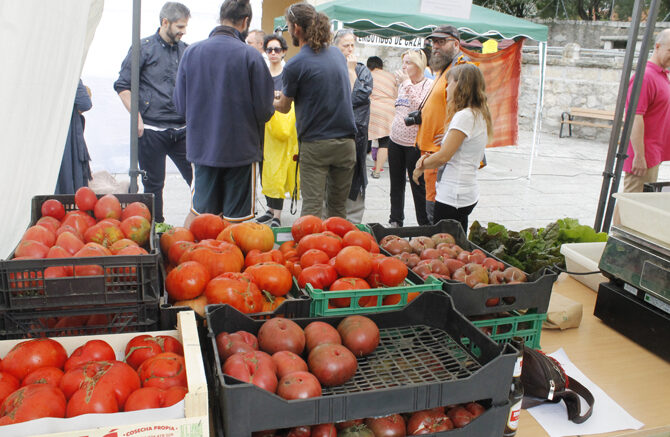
{"x": 542, "y": 58}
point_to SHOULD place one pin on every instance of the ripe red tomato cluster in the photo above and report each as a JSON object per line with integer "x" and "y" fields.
{"x": 99, "y": 227}
{"x": 333, "y": 255}
{"x": 214, "y": 262}
{"x": 275, "y": 360}
{"x": 394, "y": 425}
{"x": 439, "y": 256}
{"x": 38, "y": 379}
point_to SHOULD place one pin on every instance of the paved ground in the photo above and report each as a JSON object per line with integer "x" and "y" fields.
{"x": 565, "y": 182}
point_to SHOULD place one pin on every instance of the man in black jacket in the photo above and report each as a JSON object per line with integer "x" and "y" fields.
{"x": 161, "y": 131}
{"x": 361, "y": 83}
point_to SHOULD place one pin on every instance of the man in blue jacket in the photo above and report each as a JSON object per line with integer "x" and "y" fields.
{"x": 161, "y": 130}
{"x": 225, "y": 91}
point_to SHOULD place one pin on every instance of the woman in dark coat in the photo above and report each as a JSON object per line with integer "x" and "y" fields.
{"x": 75, "y": 171}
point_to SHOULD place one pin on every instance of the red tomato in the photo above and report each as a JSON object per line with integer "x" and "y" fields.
{"x": 338, "y": 225}
{"x": 249, "y": 368}
{"x": 44, "y": 375}
{"x": 319, "y": 275}
{"x": 32, "y": 402}
{"x": 348, "y": 424}
{"x": 178, "y": 249}
{"x": 207, "y": 226}
{"x": 299, "y": 385}
{"x": 332, "y": 364}
{"x": 248, "y": 236}
{"x": 300, "y": 431}
{"x": 359, "y": 334}
{"x": 274, "y": 278}
{"x": 317, "y": 333}
{"x": 237, "y": 290}
{"x": 331, "y": 244}
{"x": 288, "y": 362}
{"x": 306, "y": 225}
{"x": 136, "y": 228}
{"x": 144, "y": 346}
{"x": 388, "y": 426}
{"x": 217, "y": 260}
{"x": 136, "y": 209}
{"x": 104, "y": 233}
{"x": 392, "y": 272}
{"x": 186, "y": 281}
{"x": 50, "y": 223}
{"x": 98, "y": 386}
{"x": 255, "y": 256}
{"x": 41, "y": 234}
{"x": 92, "y": 350}
{"x": 153, "y": 397}
{"x": 354, "y": 261}
{"x": 165, "y": 370}
{"x": 281, "y": 334}
{"x": 324, "y": 430}
{"x": 237, "y": 342}
{"x": 8, "y": 385}
{"x": 33, "y": 354}
{"x": 358, "y": 238}
{"x": 69, "y": 242}
{"x": 459, "y": 416}
{"x": 172, "y": 235}
{"x": 53, "y": 208}
{"x": 85, "y": 199}
{"x": 428, "y": 422}
{"x": 32, "y": 249}
{"x": 313, "y": 256}
{"x": 287, "y": 246}
{"x": 122, "y": 244}
{"x": 108, "y": 206}
{"x": 348, "y": 283}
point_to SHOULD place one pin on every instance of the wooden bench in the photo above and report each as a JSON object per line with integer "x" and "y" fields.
{"x": 598, "y": 114}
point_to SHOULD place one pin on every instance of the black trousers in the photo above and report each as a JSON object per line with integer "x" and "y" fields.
{"x": 153, "y": 147}
{"x": 402, "y": 161}
{"x": 443, "y": 211}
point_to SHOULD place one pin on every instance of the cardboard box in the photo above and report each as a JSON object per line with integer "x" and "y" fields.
{"x": 187, "y": 418}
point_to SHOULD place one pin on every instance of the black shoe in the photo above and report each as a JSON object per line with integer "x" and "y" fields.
{"x": 265, "y": 218}
{"x": 276, "y": 223}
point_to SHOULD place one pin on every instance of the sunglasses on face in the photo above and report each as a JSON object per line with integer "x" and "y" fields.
{"x": 273, "y": 49}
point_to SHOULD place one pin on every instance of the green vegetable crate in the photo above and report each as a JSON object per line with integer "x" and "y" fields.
{"x": 502, "y": 329}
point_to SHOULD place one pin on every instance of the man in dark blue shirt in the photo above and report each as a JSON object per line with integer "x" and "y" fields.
{"x": 161, "y": 130}
{"x": 318, "y": 80}
{"x": 225, "y": 91}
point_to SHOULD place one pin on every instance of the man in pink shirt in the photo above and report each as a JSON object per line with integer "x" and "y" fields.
{"x": 650, "y": 136}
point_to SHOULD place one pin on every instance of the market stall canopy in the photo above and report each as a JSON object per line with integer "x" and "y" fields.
{"x": 403, "y": 18}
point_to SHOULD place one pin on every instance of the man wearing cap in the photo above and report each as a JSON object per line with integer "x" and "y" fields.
{"x": 446, "y": 53}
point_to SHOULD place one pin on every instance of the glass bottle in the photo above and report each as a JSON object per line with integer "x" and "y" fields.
{"x": 516, "y": 390}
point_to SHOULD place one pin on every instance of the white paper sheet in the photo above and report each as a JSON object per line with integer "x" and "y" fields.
{"x": 607, "y": 415}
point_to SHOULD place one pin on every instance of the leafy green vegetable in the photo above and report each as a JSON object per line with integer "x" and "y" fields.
{"x": 162, "y": 227}
{"x": 532, "y": 249}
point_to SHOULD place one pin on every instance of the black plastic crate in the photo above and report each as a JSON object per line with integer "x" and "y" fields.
{"x": 533, "y": 294}
{"x": 106, "y": 319}
{"x": 126, "y": 279}
{"x": 422, "y": 362}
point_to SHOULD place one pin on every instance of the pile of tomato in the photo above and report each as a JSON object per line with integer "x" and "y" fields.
{"x": 394, "y": 425}
{"x": 38, "y": 379}
{"x": 98, "y": 227}
{"x": 333, "y": 255}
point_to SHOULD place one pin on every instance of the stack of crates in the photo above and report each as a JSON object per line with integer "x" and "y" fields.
{"x": 520, "y": 308}
{"x": 126, "y": 297}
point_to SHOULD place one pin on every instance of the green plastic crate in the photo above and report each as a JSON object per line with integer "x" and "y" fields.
{"x": 527, "y": 326}
{"x": 320, "y": 298}
{"x": 284, "y": 234}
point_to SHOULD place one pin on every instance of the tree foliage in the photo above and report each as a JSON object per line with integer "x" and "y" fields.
{"x": 588, "y": 10}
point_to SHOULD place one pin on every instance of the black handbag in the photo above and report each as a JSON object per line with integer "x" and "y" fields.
{"x": 545, "y": 380}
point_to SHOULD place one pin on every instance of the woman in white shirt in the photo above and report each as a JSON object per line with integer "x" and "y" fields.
{"x": 463, "y": 146}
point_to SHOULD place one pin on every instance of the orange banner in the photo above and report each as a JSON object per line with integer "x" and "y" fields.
{"x": 502, "y": 73}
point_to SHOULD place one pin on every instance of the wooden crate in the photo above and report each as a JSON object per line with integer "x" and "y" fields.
{"x": 190, "y": 420}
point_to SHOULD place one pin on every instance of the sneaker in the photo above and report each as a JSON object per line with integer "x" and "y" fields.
{"x": 265, "y": 218}
{"x": 276, "y": 223}
{"x": 375, "y": 174}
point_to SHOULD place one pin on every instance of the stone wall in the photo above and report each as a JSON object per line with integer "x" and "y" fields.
{"x": 587, "y": 33}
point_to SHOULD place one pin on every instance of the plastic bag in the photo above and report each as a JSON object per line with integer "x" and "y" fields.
{"x": 280, "y": 153}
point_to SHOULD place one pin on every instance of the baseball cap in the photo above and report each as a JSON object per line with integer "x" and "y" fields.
{"x": 445, "y": 31}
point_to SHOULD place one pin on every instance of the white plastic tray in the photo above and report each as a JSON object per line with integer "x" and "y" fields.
{"x": 584, "y": 257}
{"x": 647, "y": 213}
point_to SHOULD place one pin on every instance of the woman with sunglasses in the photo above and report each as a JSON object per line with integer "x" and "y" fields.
{"x": 278, "y": 174}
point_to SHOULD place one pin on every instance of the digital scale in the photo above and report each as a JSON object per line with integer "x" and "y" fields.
{"x": 636, "y": 301}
